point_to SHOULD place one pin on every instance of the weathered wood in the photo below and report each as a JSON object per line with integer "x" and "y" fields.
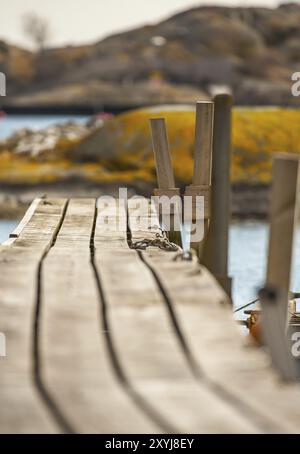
{"x": 275, "y": 299}
{"x": 165, "y": 177}
{"x": 125, "y": 340}
{"x": 201, "y": 186}
{"x": 22, "y": 410}
{"x": 285, "y": 188}
{"x": 203, "y": 143}
{"x": 77, "y": 369}
{"x": 203, "y": 154}
{"x": 164, "y": 170}
{"x": 148, "y": 348}
{"x": 237, "y": 372}
{"x": 215, "y": 250}
{"x": 27, "y": 216}
{"x": 274, "y": 333}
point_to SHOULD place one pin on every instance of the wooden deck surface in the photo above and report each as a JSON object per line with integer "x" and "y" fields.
{"x": 105, "y": 338}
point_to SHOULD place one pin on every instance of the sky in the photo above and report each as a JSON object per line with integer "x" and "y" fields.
{"x": 84, "y": 21}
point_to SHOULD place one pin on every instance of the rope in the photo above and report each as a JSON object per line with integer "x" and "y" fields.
{"x": 159, "y": 241}
{"x": 292, "y": 295}
{"x": 246, "y": 305}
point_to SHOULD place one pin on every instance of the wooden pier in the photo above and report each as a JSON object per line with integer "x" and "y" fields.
{"x": 105, "y": 337}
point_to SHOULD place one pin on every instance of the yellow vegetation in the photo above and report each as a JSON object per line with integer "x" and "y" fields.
{"x": 121, "y": 150}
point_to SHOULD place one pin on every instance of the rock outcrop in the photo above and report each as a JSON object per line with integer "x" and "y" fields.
{"x": 251, "y": 51}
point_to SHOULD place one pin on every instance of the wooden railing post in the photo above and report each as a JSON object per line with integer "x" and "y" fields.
{"x": 203, "y": 143}
{"x": 201, "y": 185}
{"x": 215, "y": 249}
{"x": 164, "y": 169}
{"x": 285, "y": 186}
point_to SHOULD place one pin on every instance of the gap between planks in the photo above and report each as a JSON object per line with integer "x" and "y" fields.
{"x": 146, "y": 341}
{"x": 77, "y": 365}
{"x": 239, "y": 373}
{"x": 22, "y": 411}
{"x": 144, "y": 338}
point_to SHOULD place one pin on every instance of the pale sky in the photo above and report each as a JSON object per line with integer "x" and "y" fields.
{"x": 83, "y": 21}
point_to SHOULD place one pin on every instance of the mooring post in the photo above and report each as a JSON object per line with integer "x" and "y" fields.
{"x": 201, "y": 185}
{"x": 274, "y": 332}
{"x": 215, "y": 249}
{"x": 283, "y": 214}
{"x": 164, "y": 171}
{"x": 275, "y": 300}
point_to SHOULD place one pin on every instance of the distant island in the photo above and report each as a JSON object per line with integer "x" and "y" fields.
{"x": 252, "y": 52}
{"x": 112, "y": 151}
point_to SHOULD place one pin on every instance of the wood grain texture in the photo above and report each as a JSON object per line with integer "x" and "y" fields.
{"x": 77, "y": 370}
{"x": 203, "y": 143}
{"x": 285, "y": 187}
{"x": 147, "y": 345}
{"x": 215, "y": 250}
{"x": 234, "y": 369}
{"x": 283, "y": 216}
{"x": 128, "y": 341}
{"x": 164, "y": 169}
{"x": 26, "y": 218}
{"x": 22, "y": 410}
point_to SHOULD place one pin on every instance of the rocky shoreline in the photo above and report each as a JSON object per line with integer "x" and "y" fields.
{"x": 107, "y": 152}
{"x": 247, "y": 201}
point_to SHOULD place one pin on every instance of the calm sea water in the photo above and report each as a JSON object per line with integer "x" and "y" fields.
{"x": 6, "y": 227}
{"x": 248, "y": 258}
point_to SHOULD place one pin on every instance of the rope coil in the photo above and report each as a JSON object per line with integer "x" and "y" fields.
{"x": 159, "y": 241}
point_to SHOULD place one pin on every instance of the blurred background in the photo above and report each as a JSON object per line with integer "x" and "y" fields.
{"x": 83, "y": 77}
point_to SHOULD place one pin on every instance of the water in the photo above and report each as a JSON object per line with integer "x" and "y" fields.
{"x": 11, "y": 123}
{"x": 6, "y": 227}
{"x": 248, "y": 259}
{"x": 248, "y": 244}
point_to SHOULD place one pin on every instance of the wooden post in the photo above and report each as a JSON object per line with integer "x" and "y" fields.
{"x": 203, "y": 143}
{"x": 202, "y": 161}
{"x": 164, "y": 169}
{"x": 285, "y": 186}
{"x": 215, "y": 249}
{"x": 274, "y": 332}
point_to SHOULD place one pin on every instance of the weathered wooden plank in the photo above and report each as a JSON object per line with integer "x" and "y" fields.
{"x": 77, "y": 369}
{"x": 164, "y": 170}
{"x": 215, "y": 249}
{"x": 22, "y": 410}
{"x": 147, "y": 347}
{"x": 201, "y": 185}
{"x": 171, "y": 341}
{"x": 239, "y": 372}
{"x": 27, "y": 216}
{"x": 203, "y": 143}
{"x": 275, "y": 298}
